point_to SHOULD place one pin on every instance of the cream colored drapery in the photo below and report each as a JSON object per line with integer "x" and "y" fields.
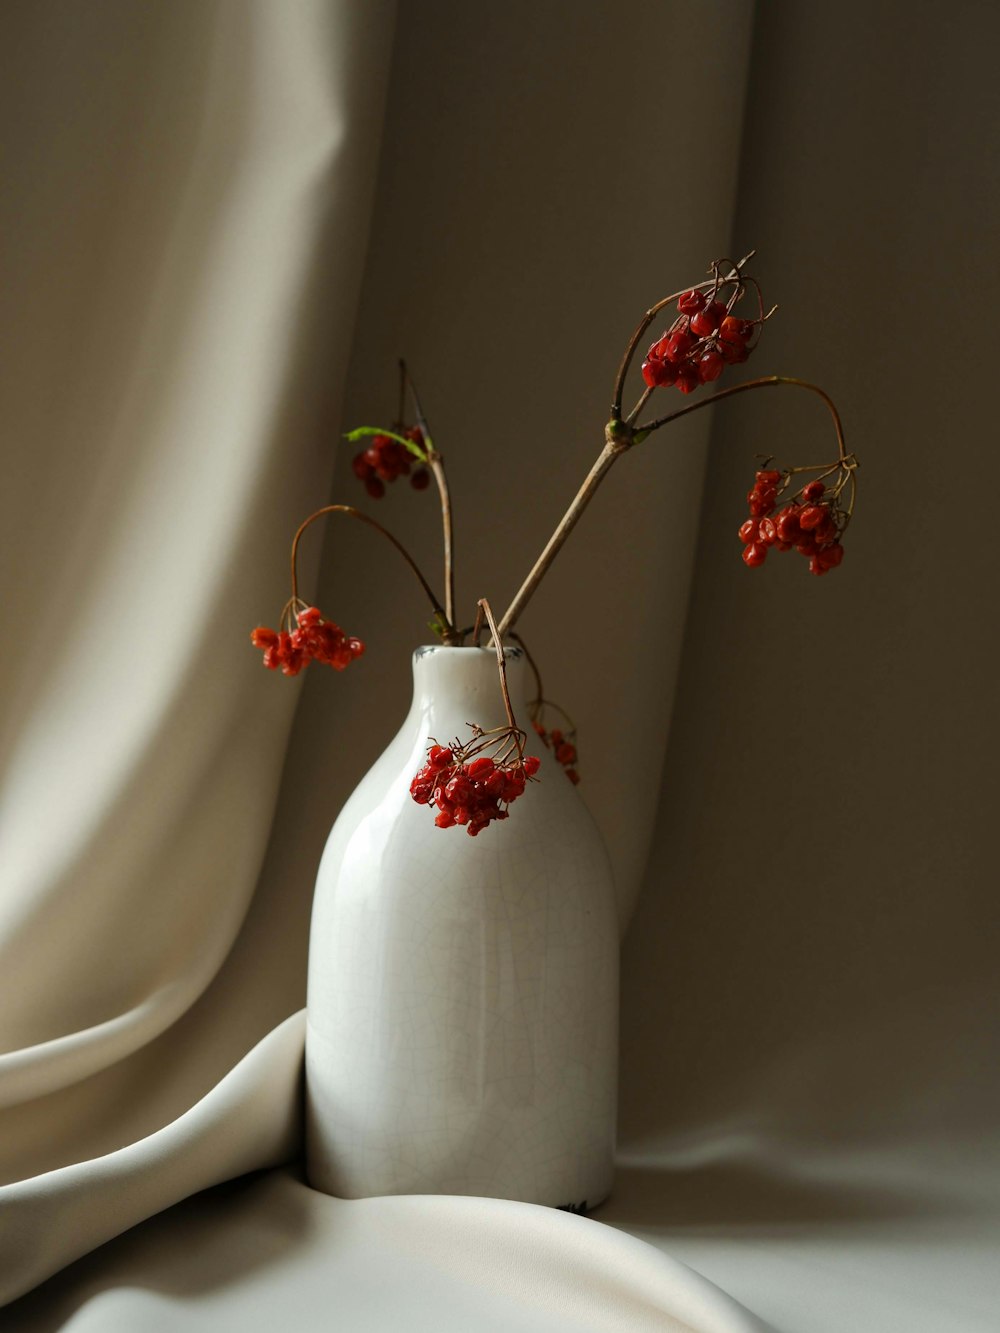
{"x": 211, "y": 268}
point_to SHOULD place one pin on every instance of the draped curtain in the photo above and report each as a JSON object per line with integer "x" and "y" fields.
{"x": 222, "y": 222}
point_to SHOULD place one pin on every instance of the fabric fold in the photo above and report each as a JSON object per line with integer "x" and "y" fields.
{"x": 252, "y": 1119}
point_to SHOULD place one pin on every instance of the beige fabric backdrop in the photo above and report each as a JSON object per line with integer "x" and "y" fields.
{"x": 185, "y": 218}
{"x": 809, "y": 1023}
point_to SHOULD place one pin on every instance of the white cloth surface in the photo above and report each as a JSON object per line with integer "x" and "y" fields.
{"x": 809, "y": 1009}
{"x": 275, "y": 1251}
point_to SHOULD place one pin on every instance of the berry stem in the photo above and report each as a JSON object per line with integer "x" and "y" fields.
{"x": 484, "y": 608}
{"x": 436, "y": 464}
{"x": 616, "y": 444}
{"x": 647, "y": 319}
{"x": 765, "y": 382}
{"x": 449, "y": 634}
{"x": 539, "y": 691}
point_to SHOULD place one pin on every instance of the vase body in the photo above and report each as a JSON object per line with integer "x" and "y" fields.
{"x": 462, "y": 1015}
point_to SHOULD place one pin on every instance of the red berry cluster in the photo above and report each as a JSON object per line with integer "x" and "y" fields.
{"x": 470, "y": 791}
{"x": 386, "y": 459}
{"x": 701, "y": 342}
{"x": 565, "y": 750}
{"x": 811, "y": 524}
{"x": 315, "y": 640}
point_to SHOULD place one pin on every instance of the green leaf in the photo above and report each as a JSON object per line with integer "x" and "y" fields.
{"x": 363, "y": 432}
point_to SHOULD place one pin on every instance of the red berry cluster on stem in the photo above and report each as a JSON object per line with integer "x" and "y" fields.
{"x": 811, "y": 523}
{"x": 470, "y": 788}
{"x": 313, "y": 640}
{"x": 563, "y": 747}
{"x": 705, "y": 337}
{"x": 385, "y": 460}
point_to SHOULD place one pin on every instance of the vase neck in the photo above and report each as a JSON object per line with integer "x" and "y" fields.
{"x": 455, "y": 686}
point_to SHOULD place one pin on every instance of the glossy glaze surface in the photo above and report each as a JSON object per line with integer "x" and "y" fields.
{"x": 463, "y": 992}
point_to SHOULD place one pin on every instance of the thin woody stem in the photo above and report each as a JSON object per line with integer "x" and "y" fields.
{"x": 477, "y": 628}
{"x": 612, "y": 449}
{"x": 766, "y": 382}
{"x": 436, "y": 464}
{"x": 484, "y": 606}
{"x": 734, "y": 276}
{"x": 539, "y": 691}
{"x": 364, "y": 518}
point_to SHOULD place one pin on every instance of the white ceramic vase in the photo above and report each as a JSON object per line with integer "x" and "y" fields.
{"x": 462, "y": 1033}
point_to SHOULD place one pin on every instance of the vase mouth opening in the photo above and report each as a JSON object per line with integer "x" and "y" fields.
{"x": 511, "y": 651}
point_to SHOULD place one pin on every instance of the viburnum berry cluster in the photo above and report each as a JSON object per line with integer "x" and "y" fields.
{"x": 811, "y": 521}
{"x": 387, "y": 458}
{"x": 470, "y": 788}
{"x": 562, "y": 747}
{"x": 706, "y": 336}
{"x": 314, "y": 639}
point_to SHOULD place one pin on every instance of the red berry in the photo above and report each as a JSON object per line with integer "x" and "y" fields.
{"x": 813, "y": 491}
{"x": 691, "y": 302}
{"x": 770, "y": 477}
{"x": 421, "y": 479}
{"x": 788, "y": 524}
{"x": 733, "y": 352}
{"x": 768, "y": 531}
{"x": 481, "y": 767}
{"x": 679, "y": 344}
{"x": 748, "y": 531}
{"x": 531, "y": 765}
{"x": 459, "y": 789}
{"x": 361, "y": 467}
{"x": 375, "y": 488}
{"x": 439, "y": 756}
{"x": 705, "y": 323}
{"x": 443, "y": 819}
{"x": 755, "y": 554}
{"x": 710, "y": 367}
{"x": 687, "y": 378}
{"x": 811, "y": 517}
{"x": 760, "y": 504}
{"x": 262, "y": 637}
{"x": 731, "y": 330}
{"x": 659, "y": 374}
{"x": 826, "y": 529}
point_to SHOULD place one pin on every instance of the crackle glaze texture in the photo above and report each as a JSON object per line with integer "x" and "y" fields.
{"x": 463, "y": 992}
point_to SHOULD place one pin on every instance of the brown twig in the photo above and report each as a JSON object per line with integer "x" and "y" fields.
{"x": 435, "y": 462}
{"x": 765, "y": 382}
{"x": 614, "y": 446}
{"x": 484, "y": 607}
{"x": 372, "y": 523}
